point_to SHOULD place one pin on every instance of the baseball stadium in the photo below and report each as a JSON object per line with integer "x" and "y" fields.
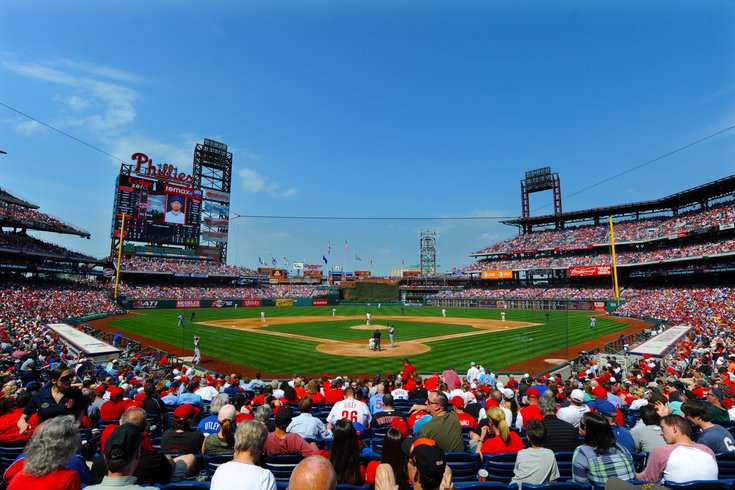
{"x": 630, "y": 289}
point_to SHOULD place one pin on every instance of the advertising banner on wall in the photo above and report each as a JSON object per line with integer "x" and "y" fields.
{"x": 188, "y": 303}
{"x": 590, "y": 271}
{"x": 319, "y": 302}
{"x": 497, "y": 274}
{"x": 284, "y": 301}
{"x": 250, "y": 303}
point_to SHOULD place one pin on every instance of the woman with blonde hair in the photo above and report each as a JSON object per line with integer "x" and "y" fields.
{"x": 312, "y": 389}
{"x": 497, "y": 437}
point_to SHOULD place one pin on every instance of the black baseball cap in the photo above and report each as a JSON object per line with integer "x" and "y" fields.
{"x": 424, "y": 453}
{"x": 123, "y": 443}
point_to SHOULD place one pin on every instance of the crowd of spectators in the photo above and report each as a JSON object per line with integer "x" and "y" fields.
{"x": 536, "y": 293}
{"x": 701, "y": 307}
{"x": 583, "y": 237}
{"x": 219, "y": 292}
{"x": 32, "y": 218}
{"x": 167, "y": 417}
{"x": 7, "y": 196}
{"x": 39, "y": 302}
{"x": 29, "y": 244}
{"x": 150, "y": 264}
{"x": 711, "y": 248}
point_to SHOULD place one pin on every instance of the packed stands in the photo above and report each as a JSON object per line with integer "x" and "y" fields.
{"x": 701, "y": 307}
{"x": 16, "y": 215}
{"x": 710, "y": 248}
{"x": 34, "y": 302}
{"x": 28, "y": 244}
{"x": 580, "y": 238}
{"x": 146, "y": 264}
{"x": 220, "y": 292}
{"x": 7, "y": 196}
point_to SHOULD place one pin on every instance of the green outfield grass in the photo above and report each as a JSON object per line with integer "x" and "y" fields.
{"x": 279, "y": 355}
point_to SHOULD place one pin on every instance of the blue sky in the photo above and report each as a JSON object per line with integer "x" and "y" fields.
{"x": 365, "y": 109}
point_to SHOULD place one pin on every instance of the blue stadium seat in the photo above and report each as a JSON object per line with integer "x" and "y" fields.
{"x": 485, "y": 485}
{"x": 726, "y": 465}
{"x": 186, "y": 485}
{"x": 211, "y": 463}
{"x": 281, "y": 465}
{"x": 702, "y": 485}
{"x": 558, "y": 485}
{"x": 464, "y": 466}
{"x": 564, "y": 463}
{"x": 499, "y": 466}
{"x": 8, "y": 454}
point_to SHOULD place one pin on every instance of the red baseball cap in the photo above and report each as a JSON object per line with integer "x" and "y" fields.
{"x": 186, "y": 411}
{"x": 458, "y": 402}
{"x": 402, "y": 426}
{"x": 116, "y": 392}
{"x": 532, "y": 392}
{"x": 599, "y": 392}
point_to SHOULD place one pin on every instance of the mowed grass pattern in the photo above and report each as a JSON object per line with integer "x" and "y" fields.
{"x": 279, "y": 355}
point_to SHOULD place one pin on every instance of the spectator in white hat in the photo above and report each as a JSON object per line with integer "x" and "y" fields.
{"x": 575, "y": 410}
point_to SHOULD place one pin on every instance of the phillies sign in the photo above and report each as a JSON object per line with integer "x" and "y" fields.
{"x": 590, "y": 270}
{"x": 145, "y": 166}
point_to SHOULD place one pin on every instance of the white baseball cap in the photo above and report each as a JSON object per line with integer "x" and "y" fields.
{"x": 577, "y": 395}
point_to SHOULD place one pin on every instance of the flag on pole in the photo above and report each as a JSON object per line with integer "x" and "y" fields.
{"x": 285, "y": 261}
{"x": 329, "y": 248}
{"x": 346, "y": 247}
{"x": 358, "y": 258}
{"x": 325, "y": 259}
{"x": 260, "y": 261}
{"x": 273, "y": 261}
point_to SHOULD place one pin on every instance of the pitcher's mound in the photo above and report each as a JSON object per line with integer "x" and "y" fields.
{"x": 361, "y": 349}
{"x": 555, "y": 361}
{"x": 369, "y": 327}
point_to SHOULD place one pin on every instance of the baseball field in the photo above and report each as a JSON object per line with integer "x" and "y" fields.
{"x": 310, "y": 340}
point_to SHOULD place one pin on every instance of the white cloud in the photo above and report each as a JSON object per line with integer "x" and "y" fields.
{"x": 28, "y": 128}
{"x": 99, "y": 70}
{"x": 289, "y": 193}
{"x": 179, "y": 154}
{"x": 114, "y": 101}
{"x": 252, "y": 181}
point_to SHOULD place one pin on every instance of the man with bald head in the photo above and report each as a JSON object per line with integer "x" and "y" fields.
{"x": 313, "y": 473}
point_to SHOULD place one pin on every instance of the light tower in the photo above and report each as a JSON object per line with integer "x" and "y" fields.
{"x": 427, "y": 250}
{"x": 213, "y": 174}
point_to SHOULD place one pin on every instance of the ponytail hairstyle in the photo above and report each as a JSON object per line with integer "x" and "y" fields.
{"x": 497, "y": 417}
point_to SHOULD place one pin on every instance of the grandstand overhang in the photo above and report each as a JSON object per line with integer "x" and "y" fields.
{"x": 663, "y": 343}
{"x": 701, "y": 195}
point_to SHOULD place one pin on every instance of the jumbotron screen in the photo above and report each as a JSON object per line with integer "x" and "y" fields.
{"x": 157, "y": 211}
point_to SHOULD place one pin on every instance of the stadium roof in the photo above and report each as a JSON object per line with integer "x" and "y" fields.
{"x": 696, "y": 195}
{"x": 7, "y": 196}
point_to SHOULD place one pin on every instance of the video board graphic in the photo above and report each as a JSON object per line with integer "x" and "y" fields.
{"x": 157, "y": 211}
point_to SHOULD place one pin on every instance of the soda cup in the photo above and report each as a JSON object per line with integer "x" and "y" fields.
{"x": 482, "y": 475}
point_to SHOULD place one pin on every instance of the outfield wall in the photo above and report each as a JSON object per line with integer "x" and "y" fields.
{"x": 162, "y": 304}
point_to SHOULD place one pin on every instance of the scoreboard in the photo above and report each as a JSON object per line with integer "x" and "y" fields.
{"x": 157, "y": 211}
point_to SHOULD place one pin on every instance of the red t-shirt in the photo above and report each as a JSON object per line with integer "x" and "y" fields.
{"x": 334, "y": 396}
{"x": 316, "y": 398}
{"x": 530, "y": 412}
{"x": 9, "y": 428}
{"x": 495, "y": 445}
{"x": 113, "y": 409}
{"x": 467, "y": 420}
{"x": 63, "y": 479}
